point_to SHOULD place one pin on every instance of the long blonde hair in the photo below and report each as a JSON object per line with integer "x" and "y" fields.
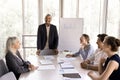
{"x": 10, "y": 41}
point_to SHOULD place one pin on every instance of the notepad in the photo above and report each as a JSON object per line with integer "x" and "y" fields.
{"x": 66, "y": 59}
{"x": 67, "y": 66}
{"x": 46, "y": 67}
{"x": 45, "y": 62}
{"x": 67, "y": 71}
{"x": 49, "y": 57}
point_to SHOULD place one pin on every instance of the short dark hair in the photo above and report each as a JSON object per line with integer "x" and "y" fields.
{"x": 113, "y": 42}
{"x": 86, "y": 37}
{"x": 47, "y": 15}
{"x": 101, "y": 37}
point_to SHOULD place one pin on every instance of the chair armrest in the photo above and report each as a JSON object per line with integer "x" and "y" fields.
{"x": 8, "y": 76}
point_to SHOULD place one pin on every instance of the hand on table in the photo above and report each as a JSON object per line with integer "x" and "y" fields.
{"x": 56, "y": 51}
{"x": 32, "y": 67}
{"x": 38, "y": 52}
{"x": 69, "y": 55}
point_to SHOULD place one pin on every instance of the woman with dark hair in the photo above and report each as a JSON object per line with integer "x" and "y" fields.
{"x": 85, "y": 48}
{"x": 14, "y": 60}
{"x": 111, "y": 67}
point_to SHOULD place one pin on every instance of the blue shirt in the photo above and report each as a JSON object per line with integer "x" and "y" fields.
{"x": 116, "y": 73}
{"x": 86, "y": 52}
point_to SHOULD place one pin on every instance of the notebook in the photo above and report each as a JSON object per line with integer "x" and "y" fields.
{"x": 46, "y": 62}
{"x": 72, "y": 75}
{"x": 66, "y": 66}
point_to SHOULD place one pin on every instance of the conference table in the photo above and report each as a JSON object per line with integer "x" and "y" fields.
{"x": 53, "y": 74}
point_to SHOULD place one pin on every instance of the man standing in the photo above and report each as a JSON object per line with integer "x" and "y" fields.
{"x": 47, "y": 36}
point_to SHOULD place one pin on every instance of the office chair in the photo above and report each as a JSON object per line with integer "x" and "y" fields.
{"x": 4, "y": 72}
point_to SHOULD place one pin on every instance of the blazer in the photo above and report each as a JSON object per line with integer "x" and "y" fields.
{"x": 42, "y": 37}
{"x": 15, "y": 64}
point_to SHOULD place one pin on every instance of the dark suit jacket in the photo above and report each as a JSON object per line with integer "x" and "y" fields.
{"x": 42, "y": 37}
{"x": 15, "y": 64}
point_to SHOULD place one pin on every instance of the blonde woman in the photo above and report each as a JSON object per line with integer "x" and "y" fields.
{"x": 14, "y": 60}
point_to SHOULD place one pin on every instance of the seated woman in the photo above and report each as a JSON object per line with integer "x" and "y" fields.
{"x": 111, "y": 69}
{"x": 93, "y": 61}
{"x": 85, "y": 48}
{"x": 14, "y": 60}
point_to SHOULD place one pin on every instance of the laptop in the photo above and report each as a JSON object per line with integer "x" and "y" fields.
{"x": 48, "y": 52}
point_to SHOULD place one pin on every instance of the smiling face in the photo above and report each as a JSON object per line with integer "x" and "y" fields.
{"x": 16, "y": 44}
{"x": 107, "y": 45}
{"x": 99, "y": 43}
{"x": 83, "y": 40}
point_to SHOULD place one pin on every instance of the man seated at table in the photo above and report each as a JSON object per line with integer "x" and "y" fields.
{"x": 85, "y": 48}
{"x": 93, "y": 61}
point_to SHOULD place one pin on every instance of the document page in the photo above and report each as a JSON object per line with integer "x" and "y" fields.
{"x": 66, "y": 66}
{"x": 46, "y": 67}
{"x": 46, "y": 62}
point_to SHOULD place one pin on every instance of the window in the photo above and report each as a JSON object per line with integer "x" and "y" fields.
{"x": 51, "y": 7}
{"x": 19, "y": 18}
{"x": 30, "y": 17}
{"x": 30, "y": 27}
{"x": 69, "y": 8}
{"x": 113, "y": 18}
{"x": 10, "y": 21}
{"x": 90, "y": 11}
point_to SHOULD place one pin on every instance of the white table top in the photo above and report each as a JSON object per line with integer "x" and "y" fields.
{"x": 52, "y": 74}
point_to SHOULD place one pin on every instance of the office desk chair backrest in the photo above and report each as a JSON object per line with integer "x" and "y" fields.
{"x": 4, "y": 72}
{"x": 3, "y": 68}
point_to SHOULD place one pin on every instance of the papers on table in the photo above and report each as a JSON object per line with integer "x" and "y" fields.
{"x": 65, "y": 71}
{"x": 46, "y": 67}
{"x": 66, "y": 52}
{"x": 66, "y": 66}
{"x": 68, "y": 71}
{"x": 66, "y": 78}
{"x": 65, "y": 59}
{"x": 48, "y": 57}
{"x": 45, "y": 62}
